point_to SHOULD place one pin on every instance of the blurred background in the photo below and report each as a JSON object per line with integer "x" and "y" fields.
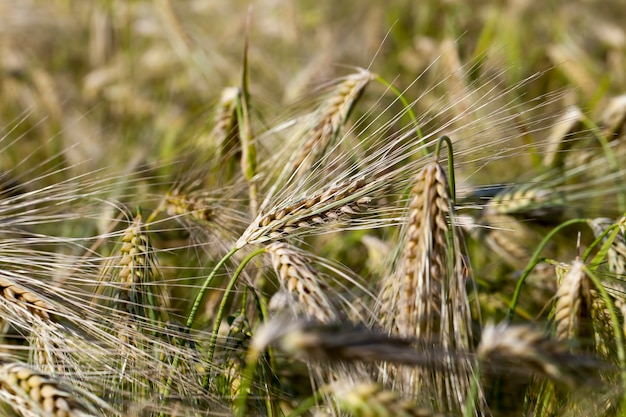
{"x": 114, "y": 81}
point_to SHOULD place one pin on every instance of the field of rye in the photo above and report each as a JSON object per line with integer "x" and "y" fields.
{"x": 313, "y": 208}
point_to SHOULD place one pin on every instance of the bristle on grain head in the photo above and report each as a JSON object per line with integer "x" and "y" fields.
{"x": 327, "y": 206}
{"x": 34, "y": 394}
{"x": 331, "y": 116}
{"x": 523, "y": 350}
{"x": 298, "y": 277}
{"x": 371, "y": 400}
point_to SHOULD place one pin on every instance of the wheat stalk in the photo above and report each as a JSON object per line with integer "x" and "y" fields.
{"x": 326, "y": 206}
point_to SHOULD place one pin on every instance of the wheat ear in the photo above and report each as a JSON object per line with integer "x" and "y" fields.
{"x": 23, "y": 302}
{"x": 331, "y": 117}
{"x": 225, "y": 121}
{"x": 136, "y": 260}
{"x": 417, "y": 304}
{"x": 604, "y": 332}
{"x": 524, "y": 350}
{"x": 298, "y": 277}
{"x": 613, "y": 118}
{"x": 326, "y": 206}
{"x": 571, "y": 298}
{"x": 225, "y": 132}
{"x": 35, "y": 394}
{"x": 560, "y": 138}
{"x": 425, "y": 261}
{"x": 429, "y": 301}
{"x": 187, "y": 206}
{"x": 527, "y": 198}
{"x": 613, "y": 283}
{"x": 504, "y": 235}
{"x": 343, "y": 342}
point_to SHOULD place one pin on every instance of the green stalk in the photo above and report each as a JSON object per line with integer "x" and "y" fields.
{"x": 597, "y": 260}
{"x": 248, "y": 148}
{"x": 308, "y": 403}
{"x": 192, "y": 316}
{"x": 222, "y": 307}
{"x": 252, "y": 358}
{"x": 205, "y": 286}
{"x": 597, "y": 242}
{"x": 534, "y": 261}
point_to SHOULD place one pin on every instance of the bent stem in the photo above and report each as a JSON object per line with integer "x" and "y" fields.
{"x": 205, "y": 286}
{"x": 534, "y": 261}
{"x": 192, "y": 317}
{"x": 451, "y": 180}
{"x": 222, "y": 307}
